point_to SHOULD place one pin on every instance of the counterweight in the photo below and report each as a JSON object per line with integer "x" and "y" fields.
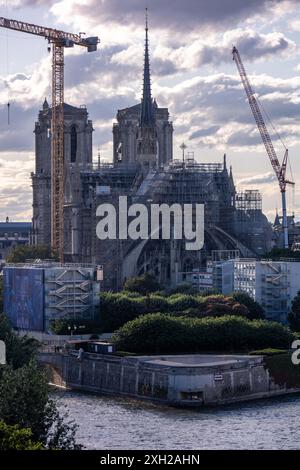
{"x": 59, "y": 40}
{"x": 280, "y": 170}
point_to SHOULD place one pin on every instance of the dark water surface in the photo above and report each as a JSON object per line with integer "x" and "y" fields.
{"x": 116, "y": 423}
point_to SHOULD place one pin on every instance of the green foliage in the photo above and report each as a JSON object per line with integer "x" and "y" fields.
{"x": 160, "y": 333}
{"x": 16, "y": 438}
{"x": 61, "y": 326}
{"x": 24, "y": 392}
{"x": 118, "y": 308}
{"x": 255, "y": 310}
{"x": 24, "y": 401}
{"x": 294, "y": 314}
{"x": 144, "y": 284}
{"x": 277, "y": 253}
{"x": 21, "y": 253}
{"x": 1, "y": 294}
{"x": 267, "y": 352}
{"x": 179, "y": 302}
{"x": 19, "y": 349}
{"x": 183, "y": 288}
{"x": 23, "y": 398}
{"x": 283, "y": 371}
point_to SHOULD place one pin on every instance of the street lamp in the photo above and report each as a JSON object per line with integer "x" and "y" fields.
{"x": 72, "y": 329}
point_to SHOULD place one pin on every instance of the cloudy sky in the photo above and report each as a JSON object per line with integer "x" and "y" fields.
{"x": 192, "y": 74}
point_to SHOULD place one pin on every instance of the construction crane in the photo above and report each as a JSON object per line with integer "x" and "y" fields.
{"x": 280, "y": 170}
{"x": 59, "y": 40}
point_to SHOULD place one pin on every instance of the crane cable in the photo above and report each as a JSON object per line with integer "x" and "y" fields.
{"x": 271, "y": 123}
{"x": 7, "y": 72}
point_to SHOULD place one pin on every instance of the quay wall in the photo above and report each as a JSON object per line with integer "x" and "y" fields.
{"x": 211, "y": 383}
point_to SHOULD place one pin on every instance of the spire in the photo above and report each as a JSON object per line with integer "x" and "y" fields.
{"x": 45, "y": 104}
{"x": 147, "y": 114}
{"x": 277, "y": 220}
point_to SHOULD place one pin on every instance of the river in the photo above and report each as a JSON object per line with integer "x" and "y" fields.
{"x": 117, "y": 423}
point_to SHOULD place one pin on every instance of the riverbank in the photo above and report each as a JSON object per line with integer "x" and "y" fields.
{"x": 188, "y": 381}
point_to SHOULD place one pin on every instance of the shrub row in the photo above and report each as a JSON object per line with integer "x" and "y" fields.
{"x": 160, "y": 333}
{"x": 117, "y": 309}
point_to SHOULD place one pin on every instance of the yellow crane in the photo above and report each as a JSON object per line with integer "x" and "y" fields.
{"x": 59, "y": 40}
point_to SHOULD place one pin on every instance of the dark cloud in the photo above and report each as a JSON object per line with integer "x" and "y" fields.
{"x": 251, "y": 45}
{"x": 176, "y": 14}
{"x": 204, "y": 132}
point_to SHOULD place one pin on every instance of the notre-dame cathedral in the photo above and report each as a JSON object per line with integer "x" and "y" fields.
{"x": 144, "y": 170}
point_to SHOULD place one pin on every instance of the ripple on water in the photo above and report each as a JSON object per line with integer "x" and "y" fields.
{"x": 117, "y": 423}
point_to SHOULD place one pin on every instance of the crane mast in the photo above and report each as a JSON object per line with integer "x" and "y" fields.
{"x": 59, "y": 40}
{"x": 280, "y": 170}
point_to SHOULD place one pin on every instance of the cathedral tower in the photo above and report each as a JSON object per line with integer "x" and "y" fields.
{"x": 143, "y": 133}
{"x": 78, "y": 155}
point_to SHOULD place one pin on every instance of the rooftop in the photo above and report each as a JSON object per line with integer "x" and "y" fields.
{"x": 199, "y": 360}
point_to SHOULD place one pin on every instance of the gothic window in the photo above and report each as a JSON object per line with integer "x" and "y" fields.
{"x": 73, "y": 144}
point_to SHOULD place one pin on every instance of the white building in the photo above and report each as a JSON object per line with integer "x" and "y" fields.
{"x": 273, "y": 284}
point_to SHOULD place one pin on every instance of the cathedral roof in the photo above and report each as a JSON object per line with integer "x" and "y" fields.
{"x": 67, "y": 108}
{"x": 147, "y": 111}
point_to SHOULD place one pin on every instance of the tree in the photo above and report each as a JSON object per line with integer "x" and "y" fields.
{"x": 19, "y": 349}
{"x": 1, "y": 294}
{"x": 24, "y": 401}
{"x": 144, "y": 284}
{"x": 21, "y": 253}
{"x": 24, "y": 394}
{"x": 255, "y": 310}
{"x": 165, "y": 334}
{"x": 16, "y": 438}
{"x": 277, "y": 253}
{"x": 294, "y": 314}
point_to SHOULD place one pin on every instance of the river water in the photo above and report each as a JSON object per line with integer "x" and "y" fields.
{"x": 117, "y": 423}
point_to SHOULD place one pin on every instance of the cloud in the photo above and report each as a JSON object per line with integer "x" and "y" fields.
{"x": 204, "y": 132}
{"x": 176, "y": 16}
{"x": 258, "y": 179}
{"x": 252, "y": 46}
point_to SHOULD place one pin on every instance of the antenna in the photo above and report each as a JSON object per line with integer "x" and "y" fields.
{"x": 183, "y": 148}
{"x": 98, "y": 158}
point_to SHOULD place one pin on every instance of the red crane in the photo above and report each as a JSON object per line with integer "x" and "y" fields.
{"x": 280, "y": 170}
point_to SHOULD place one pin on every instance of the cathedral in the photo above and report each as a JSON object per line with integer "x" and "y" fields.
{"x": 143, "y": 169}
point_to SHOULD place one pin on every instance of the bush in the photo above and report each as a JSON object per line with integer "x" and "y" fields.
{"x": 268, "y": 352}
{"x": 21, "y": 253}
{"x": 254, "y": 308}
{"x": 183, "y": 288}
{"x": 118, "y": 308}
{"x": 144, "y": 284}
{"x": 161, "y": 333}
{"x": 16, "y": 438}
{"x": 181, "y": 302}
{"x": 294, "y": 314}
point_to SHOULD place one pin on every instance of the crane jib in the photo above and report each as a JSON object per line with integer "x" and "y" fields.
{"x": 60, "y": 40}
{"x": 279, "y": 170}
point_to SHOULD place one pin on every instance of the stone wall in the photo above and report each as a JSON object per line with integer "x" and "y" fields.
{"x": 188, "y": 386}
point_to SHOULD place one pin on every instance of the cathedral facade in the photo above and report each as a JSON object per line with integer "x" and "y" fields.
{"x": 143, "y": 169}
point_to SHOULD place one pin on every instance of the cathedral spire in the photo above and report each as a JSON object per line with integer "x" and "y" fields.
{"x": 147, "y": 113}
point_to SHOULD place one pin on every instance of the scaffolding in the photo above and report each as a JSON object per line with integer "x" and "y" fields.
{"x": 249, "y": 200}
